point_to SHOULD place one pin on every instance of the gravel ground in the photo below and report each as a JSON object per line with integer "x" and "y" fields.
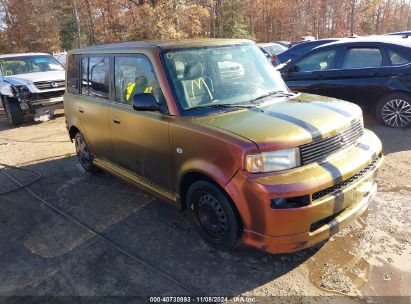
{"x": 43, "y": 252}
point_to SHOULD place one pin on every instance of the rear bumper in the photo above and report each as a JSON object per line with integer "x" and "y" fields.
{"x": 339, "y": 189}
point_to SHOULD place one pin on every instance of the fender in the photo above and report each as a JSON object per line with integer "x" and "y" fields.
{"x": 204, "y": 167}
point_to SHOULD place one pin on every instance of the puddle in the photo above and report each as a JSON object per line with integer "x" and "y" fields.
{"x": 397, "y": 189}
{"x": 349, "y": 264}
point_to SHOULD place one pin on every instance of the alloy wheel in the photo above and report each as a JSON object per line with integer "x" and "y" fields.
{"x": 396, "y": 113}
{"x": 83, "y": 152}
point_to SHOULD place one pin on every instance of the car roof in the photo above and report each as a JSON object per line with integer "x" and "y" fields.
{"x": 400, "y": 33}
{"x": 268, "y": 44}
{"x": 371, "y": 40}
{"x": 162, "y": 44}
{"x": 23, "y": 55}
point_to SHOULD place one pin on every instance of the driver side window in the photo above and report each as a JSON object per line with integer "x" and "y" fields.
{"x": 134, "y": 75}
{"x": 319, "y": 61}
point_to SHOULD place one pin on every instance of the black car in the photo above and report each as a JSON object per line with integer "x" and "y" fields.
{"x": 300, "y": 49}
{"x": 373, "y": 72}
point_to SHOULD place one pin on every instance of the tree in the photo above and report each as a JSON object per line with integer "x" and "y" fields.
{"x": 233, "y": 20}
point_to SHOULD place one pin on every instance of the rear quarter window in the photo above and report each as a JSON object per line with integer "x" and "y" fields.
{"x": 397, "y": 58}
{"x": 73, "y": 74}
{"x": 362, "y": 57}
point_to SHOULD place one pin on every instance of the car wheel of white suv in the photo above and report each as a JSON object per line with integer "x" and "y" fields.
{"x": 13, "y": 111}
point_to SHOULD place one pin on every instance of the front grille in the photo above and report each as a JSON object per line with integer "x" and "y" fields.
{"x": 339, "y": 186}
{"x": 48, "y": 95}
{"x": 321, "y": 149}
{"x": 47, "y": 85}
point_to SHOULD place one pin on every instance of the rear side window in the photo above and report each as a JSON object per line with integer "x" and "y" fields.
{"x": 397, "y": 58}
{"x": 318, "y": 61}
{"x": 362, "y": 58}
{"x": 98, "y": 74}
{"x": 95, "y": 76}
{"x": 73, "y": 74}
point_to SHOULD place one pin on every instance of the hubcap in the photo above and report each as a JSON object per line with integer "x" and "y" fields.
{"x": 82, "y": 151}
{"x": 396, "y": 113}
{"x": 211, "y": 217}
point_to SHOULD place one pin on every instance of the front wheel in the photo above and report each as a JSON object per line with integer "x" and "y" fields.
{"x": 13, "y": 111}
{"x": 213, "y": 215}
{"x": 395, "y": 110}
{"x": 84, "y": 154}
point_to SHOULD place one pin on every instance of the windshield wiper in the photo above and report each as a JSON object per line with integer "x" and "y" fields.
{"x": 271, "y": 94}
{"x": 222, "y": 106}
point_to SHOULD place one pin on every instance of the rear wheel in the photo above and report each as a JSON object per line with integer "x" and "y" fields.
{"x": 84, "y": 154}
{"x": 395, "y": 110}
{"x": 13, "y": 111}
{"x": 213, "y": 215}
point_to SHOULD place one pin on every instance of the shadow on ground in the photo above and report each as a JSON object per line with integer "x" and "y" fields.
{"x": 47, "y": 253}
{"x": 389, "y": 136}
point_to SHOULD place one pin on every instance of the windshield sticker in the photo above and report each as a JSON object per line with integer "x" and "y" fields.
{"x": 41, "y": 59}
{"x": 199, "y": 84}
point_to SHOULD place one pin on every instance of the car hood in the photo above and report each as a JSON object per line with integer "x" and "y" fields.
{"x": 24, "y": 79}
{"x": 282, "y": 122}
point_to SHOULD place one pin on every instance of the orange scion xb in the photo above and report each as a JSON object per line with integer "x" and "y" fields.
{"x": 210, "y": 126}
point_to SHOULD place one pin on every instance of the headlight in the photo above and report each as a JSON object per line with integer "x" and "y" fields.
{"x": 273, "y": 161}
{"x": 13, "y": 90}
{"x": 22, "y": 91}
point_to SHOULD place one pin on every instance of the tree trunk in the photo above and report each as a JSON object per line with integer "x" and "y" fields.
{"x": 91, "y": 22}
{"x": 352, "y": 17}
{"x": 77, "y": 20}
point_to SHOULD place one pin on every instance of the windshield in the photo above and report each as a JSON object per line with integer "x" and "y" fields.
{"x": 30, "y": 64}
{"x": 275, "y": 49}
{"x": 228, "y": 75}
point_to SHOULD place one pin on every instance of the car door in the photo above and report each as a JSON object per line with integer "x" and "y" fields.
{"x": 304, "y": 74}
{"x": 140, "y": 139}
{"x": 362, "y": 74}
{"x": 92, "y": 104}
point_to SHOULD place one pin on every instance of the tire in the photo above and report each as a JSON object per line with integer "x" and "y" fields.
{"x": 395, "y": 110}
{"x": 13, "y": 111}
{"x": 84, "y": 155}
{"x": 213, "y": 215}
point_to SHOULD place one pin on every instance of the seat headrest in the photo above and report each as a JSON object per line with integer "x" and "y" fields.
{"x": 193, "y": 70}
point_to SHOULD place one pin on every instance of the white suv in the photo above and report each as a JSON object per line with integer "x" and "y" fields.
{"x": 31, "y": 83}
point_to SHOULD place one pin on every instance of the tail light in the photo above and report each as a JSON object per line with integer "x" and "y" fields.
{"x": 274, "y": 59}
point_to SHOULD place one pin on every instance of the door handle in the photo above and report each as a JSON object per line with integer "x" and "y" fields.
{"x": 81, "y": 110}
{"x": 115, "y": 120}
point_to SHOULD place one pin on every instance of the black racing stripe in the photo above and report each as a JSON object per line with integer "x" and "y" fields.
{"x": 334, "y": 171}
{"x": 335, "y": 109}
{"x": 314, "y": 131}
{"x": 334, "y": 227}
{"x": 368, "y": 149}
{"x": 339, "y": 201}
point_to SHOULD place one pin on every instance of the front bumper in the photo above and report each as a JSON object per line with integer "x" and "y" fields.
{"x": 346, "y": 197}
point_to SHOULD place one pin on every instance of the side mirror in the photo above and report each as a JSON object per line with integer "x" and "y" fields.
{"x": 292, "y": 69}
{"x": 145, "y": 102}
